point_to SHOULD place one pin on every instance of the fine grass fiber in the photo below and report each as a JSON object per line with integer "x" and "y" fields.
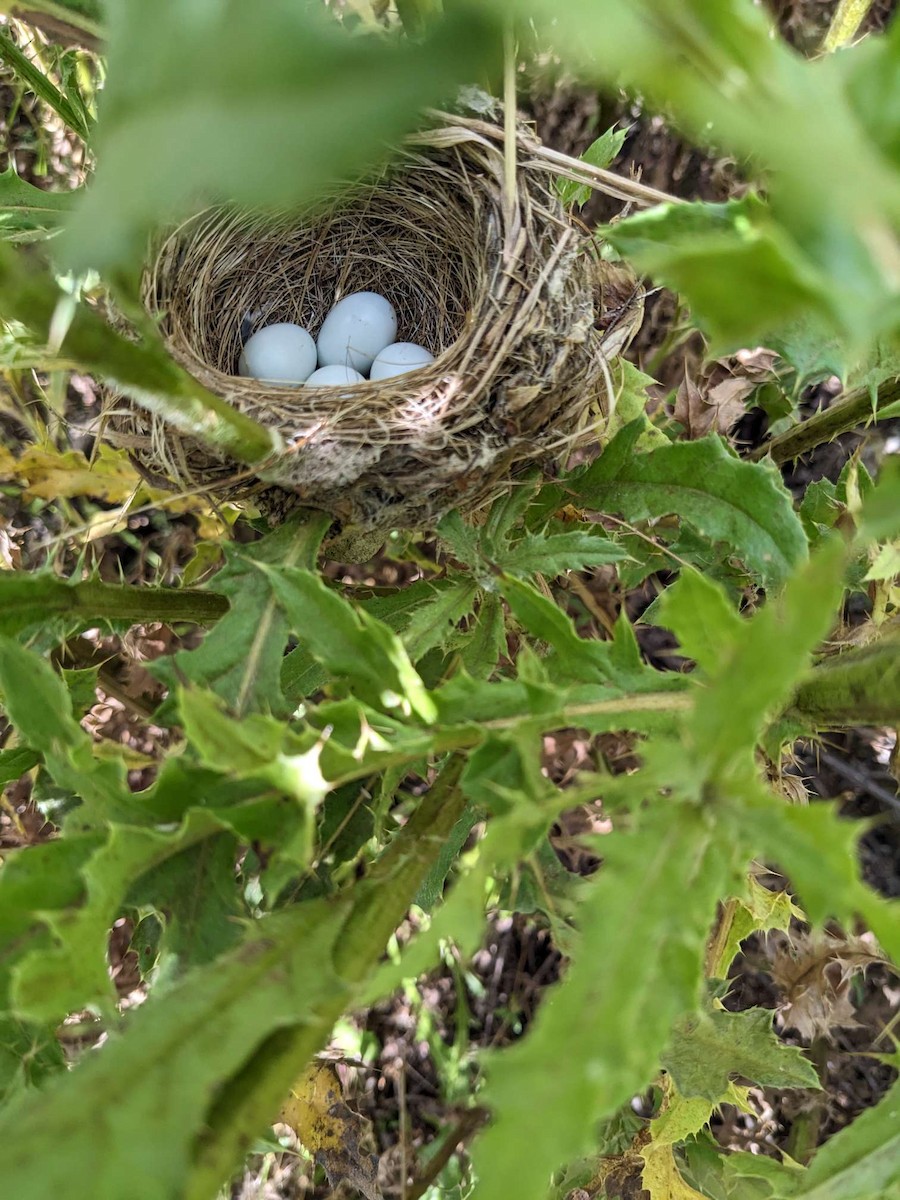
{"x": 514, "y": 300}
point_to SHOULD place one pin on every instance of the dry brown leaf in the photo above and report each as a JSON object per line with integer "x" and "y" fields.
{"x": 715, "y": 400}
{"x": 814, "y": 975}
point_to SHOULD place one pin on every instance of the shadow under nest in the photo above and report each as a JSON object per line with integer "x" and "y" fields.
{"x": 515, "y": 301}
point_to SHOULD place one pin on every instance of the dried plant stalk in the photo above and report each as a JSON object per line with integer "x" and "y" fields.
{"x": 516, "y": 303}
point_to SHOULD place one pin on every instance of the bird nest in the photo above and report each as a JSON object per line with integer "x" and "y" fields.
{"x": 515, "y": 302}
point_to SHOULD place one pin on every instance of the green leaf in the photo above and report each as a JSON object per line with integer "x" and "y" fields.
{"x": 700, "y": 615}
{"x": 29, "y": 1054}
{"x": 74, "y": 971}
{"x": 496, "y": 546}
{"x": 34, "y": 880}
{"x": 74, "y": 115}
{"x": 577, "y": 658}
{"x": 38, "y": 704}
{"x": 760, "y": 909}
{"x": 817, "y": 852}
{"x": 241, "y": 659}
{"x": 768, "y": 655}
{"x": 862, "y": 1161}
{"x": 637, "y": 968}
{"x": 739, "y": 503}
{"x": 14, "y": 764}
{"x": 261, "y": 749}
{"x": 435, "y": 619}
{"x": 880, "y": 518}
{"x": 194, "y": 894}
{"x": 737, "y": 1175}
{"x": 486, "y": 640}
{"x": 27, "y": 211}
{"x": 555, "y": 553}
{"x": 432, "y": 889}
{"x": 690, "y": 247}
{"x": 263, "y": 109}
{"x": 350, "y": 643}
{"x": 707, "y": 1049}
{"x": 600, "y": 153}
{"x": 155, "y": 1085}
{"x": 869, "y": 75}
{"x": 704, "y": 62}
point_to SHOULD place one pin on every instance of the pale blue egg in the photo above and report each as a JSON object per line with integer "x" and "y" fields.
{"x": 398, "y": 358}
{"x": 280, "y": 353}
{"x": 334, "y": 375}
{"x": 356, "y": 330}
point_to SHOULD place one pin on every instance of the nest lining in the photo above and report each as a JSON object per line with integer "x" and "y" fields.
{"x": 508, "y": 297}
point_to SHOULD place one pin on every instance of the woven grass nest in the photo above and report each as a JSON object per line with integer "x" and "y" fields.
{"x": 515, "y": 302}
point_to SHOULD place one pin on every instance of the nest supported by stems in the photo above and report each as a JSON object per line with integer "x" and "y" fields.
{"x": 515, "y": 302}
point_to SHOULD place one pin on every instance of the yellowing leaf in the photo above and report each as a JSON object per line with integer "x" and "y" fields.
{"x": 681, "y": 1117}
{"x": 760, "y": 909}
{"x": 50, "y": 474}
{"x": 887, "y": 562}
{"x": 661, "y": 1176}
{"x": 331, "y": 1131}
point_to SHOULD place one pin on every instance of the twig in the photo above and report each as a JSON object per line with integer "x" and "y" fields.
{"x": 825, "y": 426}
{"x": 563, "y": 164}
{"x": 601, "y": 179}
{"x": 860, "y": 780}
{"x": 471, "y": 1121}
{"x": 509, "y": 120}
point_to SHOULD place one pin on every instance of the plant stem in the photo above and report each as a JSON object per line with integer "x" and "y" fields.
{"x": 397, "y": 875}
{"x": 859, "y": 687}
{"x": 254, "y": 1095}
{"x": 845, "y": 23}
{"x": 61, "y": 22}
{"x": 804, "y": 1135}
{"x": 714, "y": 967}
{"x": 109, "y": 601}
{"x": 825, "y": 426}
{"x": 149, "y": 604}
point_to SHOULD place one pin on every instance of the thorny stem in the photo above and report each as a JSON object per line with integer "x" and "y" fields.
{"x": 397, "y": 875}
{"x": 839, "y": 418}
{"x": 114, "y": 602}
{"x": 717, "y": 943}
{"x": 845, "y": 23}
{"x": 806, "y": 1126}
{"x": 378, "y": 905}
{"x": 860, "y": 686}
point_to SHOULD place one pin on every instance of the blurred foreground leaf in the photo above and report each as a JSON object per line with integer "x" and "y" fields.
{"x": 265, "y": 107}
